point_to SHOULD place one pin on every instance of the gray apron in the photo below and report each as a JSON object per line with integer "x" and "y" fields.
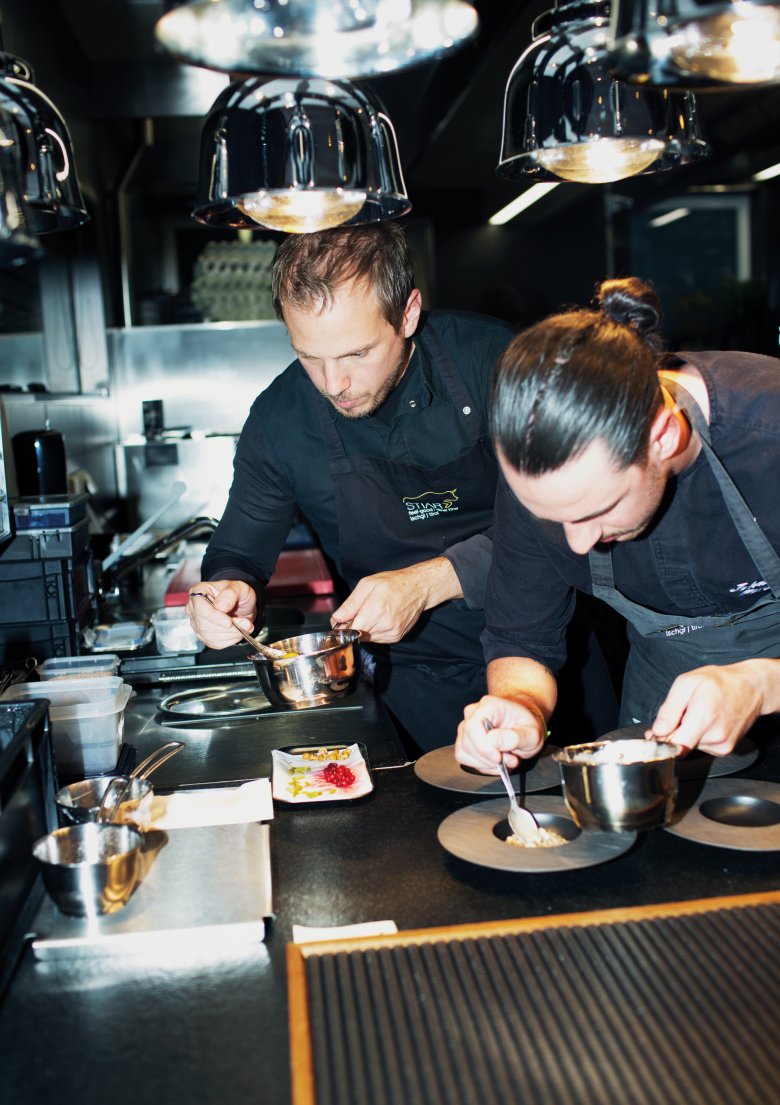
{"x": 664, "y": 646}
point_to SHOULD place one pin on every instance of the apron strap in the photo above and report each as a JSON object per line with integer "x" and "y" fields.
{"x": 753, "y": 537}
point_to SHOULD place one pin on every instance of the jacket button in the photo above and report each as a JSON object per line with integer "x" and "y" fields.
{"x": 467, "y": 410}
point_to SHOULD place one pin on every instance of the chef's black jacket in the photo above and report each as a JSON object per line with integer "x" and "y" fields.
{"x": 690, "y": 561}
{"x": 281, "y": 464}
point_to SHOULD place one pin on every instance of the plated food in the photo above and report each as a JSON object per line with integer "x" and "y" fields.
{"x": 478, "y": 834}
{"x": 327, "y": 773}
{"x": 542, "y": 838}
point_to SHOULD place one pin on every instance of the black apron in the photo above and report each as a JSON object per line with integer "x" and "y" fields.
{"x": 664, "y": 646}
{"x": 391, "y": 515}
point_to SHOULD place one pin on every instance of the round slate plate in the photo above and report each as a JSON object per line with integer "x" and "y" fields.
{"x": 223, "y": 700}
{"x": 441, "y": 769}
{"x": 729, "y": 802}
{"x": 698, "y": 765}
{"x": 470, "y": 834}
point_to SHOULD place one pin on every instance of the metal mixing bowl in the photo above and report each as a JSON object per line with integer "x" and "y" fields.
{"x": 619, "y": 785}
{"x": 89, "y": 869}
{"x": 80, "y": 802}
{"x": 318, "y": 668}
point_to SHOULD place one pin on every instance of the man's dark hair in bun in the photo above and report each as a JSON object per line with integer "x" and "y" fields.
{"x": 580, "y": 376}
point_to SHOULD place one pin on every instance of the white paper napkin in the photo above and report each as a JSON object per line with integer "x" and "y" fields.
{"x": 306, "y": 934}
{"x": 187, "y": 809}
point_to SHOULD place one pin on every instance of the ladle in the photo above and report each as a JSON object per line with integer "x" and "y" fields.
{"x": 521, "y": 821}
{"x": 264, "y": 650}
{"x": 141, "y": 771}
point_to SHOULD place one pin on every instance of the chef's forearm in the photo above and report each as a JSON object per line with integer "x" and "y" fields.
{"x": 766, "y": 674}
{"x": 520, "y": 679}
{"x": 437, "y": 581}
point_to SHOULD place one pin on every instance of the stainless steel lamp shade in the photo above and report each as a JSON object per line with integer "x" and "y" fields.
{"x": 48, "y": 173}
{"x": 298, "y": 156}
{"x": 567, "y": 118}
{"x": 325, "y": 38}
{"x": 695, "y": 44}
{"x": 17, "y": 242}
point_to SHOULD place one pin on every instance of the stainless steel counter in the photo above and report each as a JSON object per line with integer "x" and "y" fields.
{"x": 170, "y": 1025}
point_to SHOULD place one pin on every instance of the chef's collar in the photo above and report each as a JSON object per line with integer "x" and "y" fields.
{"x": 413, "y": 391}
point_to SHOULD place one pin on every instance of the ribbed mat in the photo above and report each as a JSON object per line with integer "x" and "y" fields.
{"x": 682, "y": 1009}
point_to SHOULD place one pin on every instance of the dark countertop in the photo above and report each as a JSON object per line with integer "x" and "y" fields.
{"x": 212, "y": 1028}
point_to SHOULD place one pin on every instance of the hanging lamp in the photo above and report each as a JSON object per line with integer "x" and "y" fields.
{"x": 18, "y": 244}
{"x": 298, "y": 156}
{"x": 695, "y": 44}
{"x": 318, "y": 38}
{"x": 48, "y": 173}
{"x": 567, "y": 118}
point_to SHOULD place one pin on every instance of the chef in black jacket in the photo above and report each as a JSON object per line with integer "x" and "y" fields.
{"x": 648, "y": 480}
{"x": 378, "y": 434}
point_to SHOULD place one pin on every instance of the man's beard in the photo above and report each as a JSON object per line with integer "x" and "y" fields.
{"x": 390, "y": 384}
{"x": 656, "y": 492}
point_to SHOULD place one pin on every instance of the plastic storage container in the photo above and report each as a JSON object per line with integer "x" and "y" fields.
{"x": 68, "y": 667}
{"x": 69, "y": 692}
{"x": 87, "y": 720}
{"x": 173, "y": 631}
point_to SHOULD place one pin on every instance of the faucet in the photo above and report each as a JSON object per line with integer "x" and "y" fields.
{"x": 112, "y": 576}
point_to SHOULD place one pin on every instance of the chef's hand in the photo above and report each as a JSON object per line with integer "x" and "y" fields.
{"x": 518, "y": 733}
{"x": 710, "y": 708}
{"x": 385, "y": 606}
{"x": 232, "y": 599}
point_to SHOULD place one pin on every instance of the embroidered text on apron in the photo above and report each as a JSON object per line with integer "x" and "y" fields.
{"x": 664, "y": 646}
{"x": 391, "y": 515}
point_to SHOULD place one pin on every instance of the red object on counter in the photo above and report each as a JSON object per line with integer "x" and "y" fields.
{"x": 298, "y": 572}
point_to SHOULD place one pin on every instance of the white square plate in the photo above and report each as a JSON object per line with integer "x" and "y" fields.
{"x": 300, "y": 773}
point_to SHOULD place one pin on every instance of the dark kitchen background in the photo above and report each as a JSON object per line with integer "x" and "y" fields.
{"x": 144, "y": 304}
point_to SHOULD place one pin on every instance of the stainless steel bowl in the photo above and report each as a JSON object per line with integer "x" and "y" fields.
{"x": 89, "y": 869}
{"x": 80, "y": 802}
{"x": 619, "y": 785}
{"x": 318, "y": 668}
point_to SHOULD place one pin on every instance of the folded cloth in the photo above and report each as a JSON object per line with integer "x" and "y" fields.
{"x": 187, "y": 809}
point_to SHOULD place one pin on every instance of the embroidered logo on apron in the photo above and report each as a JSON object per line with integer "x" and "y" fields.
{"x": 430, "y": 503}
{"x": 756, "y": 588}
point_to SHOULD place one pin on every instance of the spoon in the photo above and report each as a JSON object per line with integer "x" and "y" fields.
{"x": 521, "y": 821}
{"x": 141, "y": 771}
{"x": 264, "y": 650}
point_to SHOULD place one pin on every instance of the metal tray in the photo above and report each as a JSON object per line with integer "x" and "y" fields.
{"x": 208, "y": 885}
{"x": 117, "y": 637}
{"x": 223, "y": 700}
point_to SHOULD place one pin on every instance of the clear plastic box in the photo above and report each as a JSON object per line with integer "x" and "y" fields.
{"x": 87, "y": 721}
{"x": 84, "y": 667}
{"x": 174, "y": 632}
{"x": 69, "y": 692}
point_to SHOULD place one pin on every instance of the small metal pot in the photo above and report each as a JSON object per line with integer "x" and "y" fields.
{"x": 90, "y": 869}
{"x": 317, "y": 669}
{"x": 80, "y": 802}
{"x": 619, "y": 785}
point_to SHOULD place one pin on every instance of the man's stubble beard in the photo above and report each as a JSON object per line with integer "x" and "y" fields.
{"x": 389, "y": 385}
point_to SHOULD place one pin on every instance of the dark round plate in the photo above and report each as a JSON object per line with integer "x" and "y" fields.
{"x": 477, "y": 833}
{"x": 743, "y": 814}
{"x": 439, "y": 768}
